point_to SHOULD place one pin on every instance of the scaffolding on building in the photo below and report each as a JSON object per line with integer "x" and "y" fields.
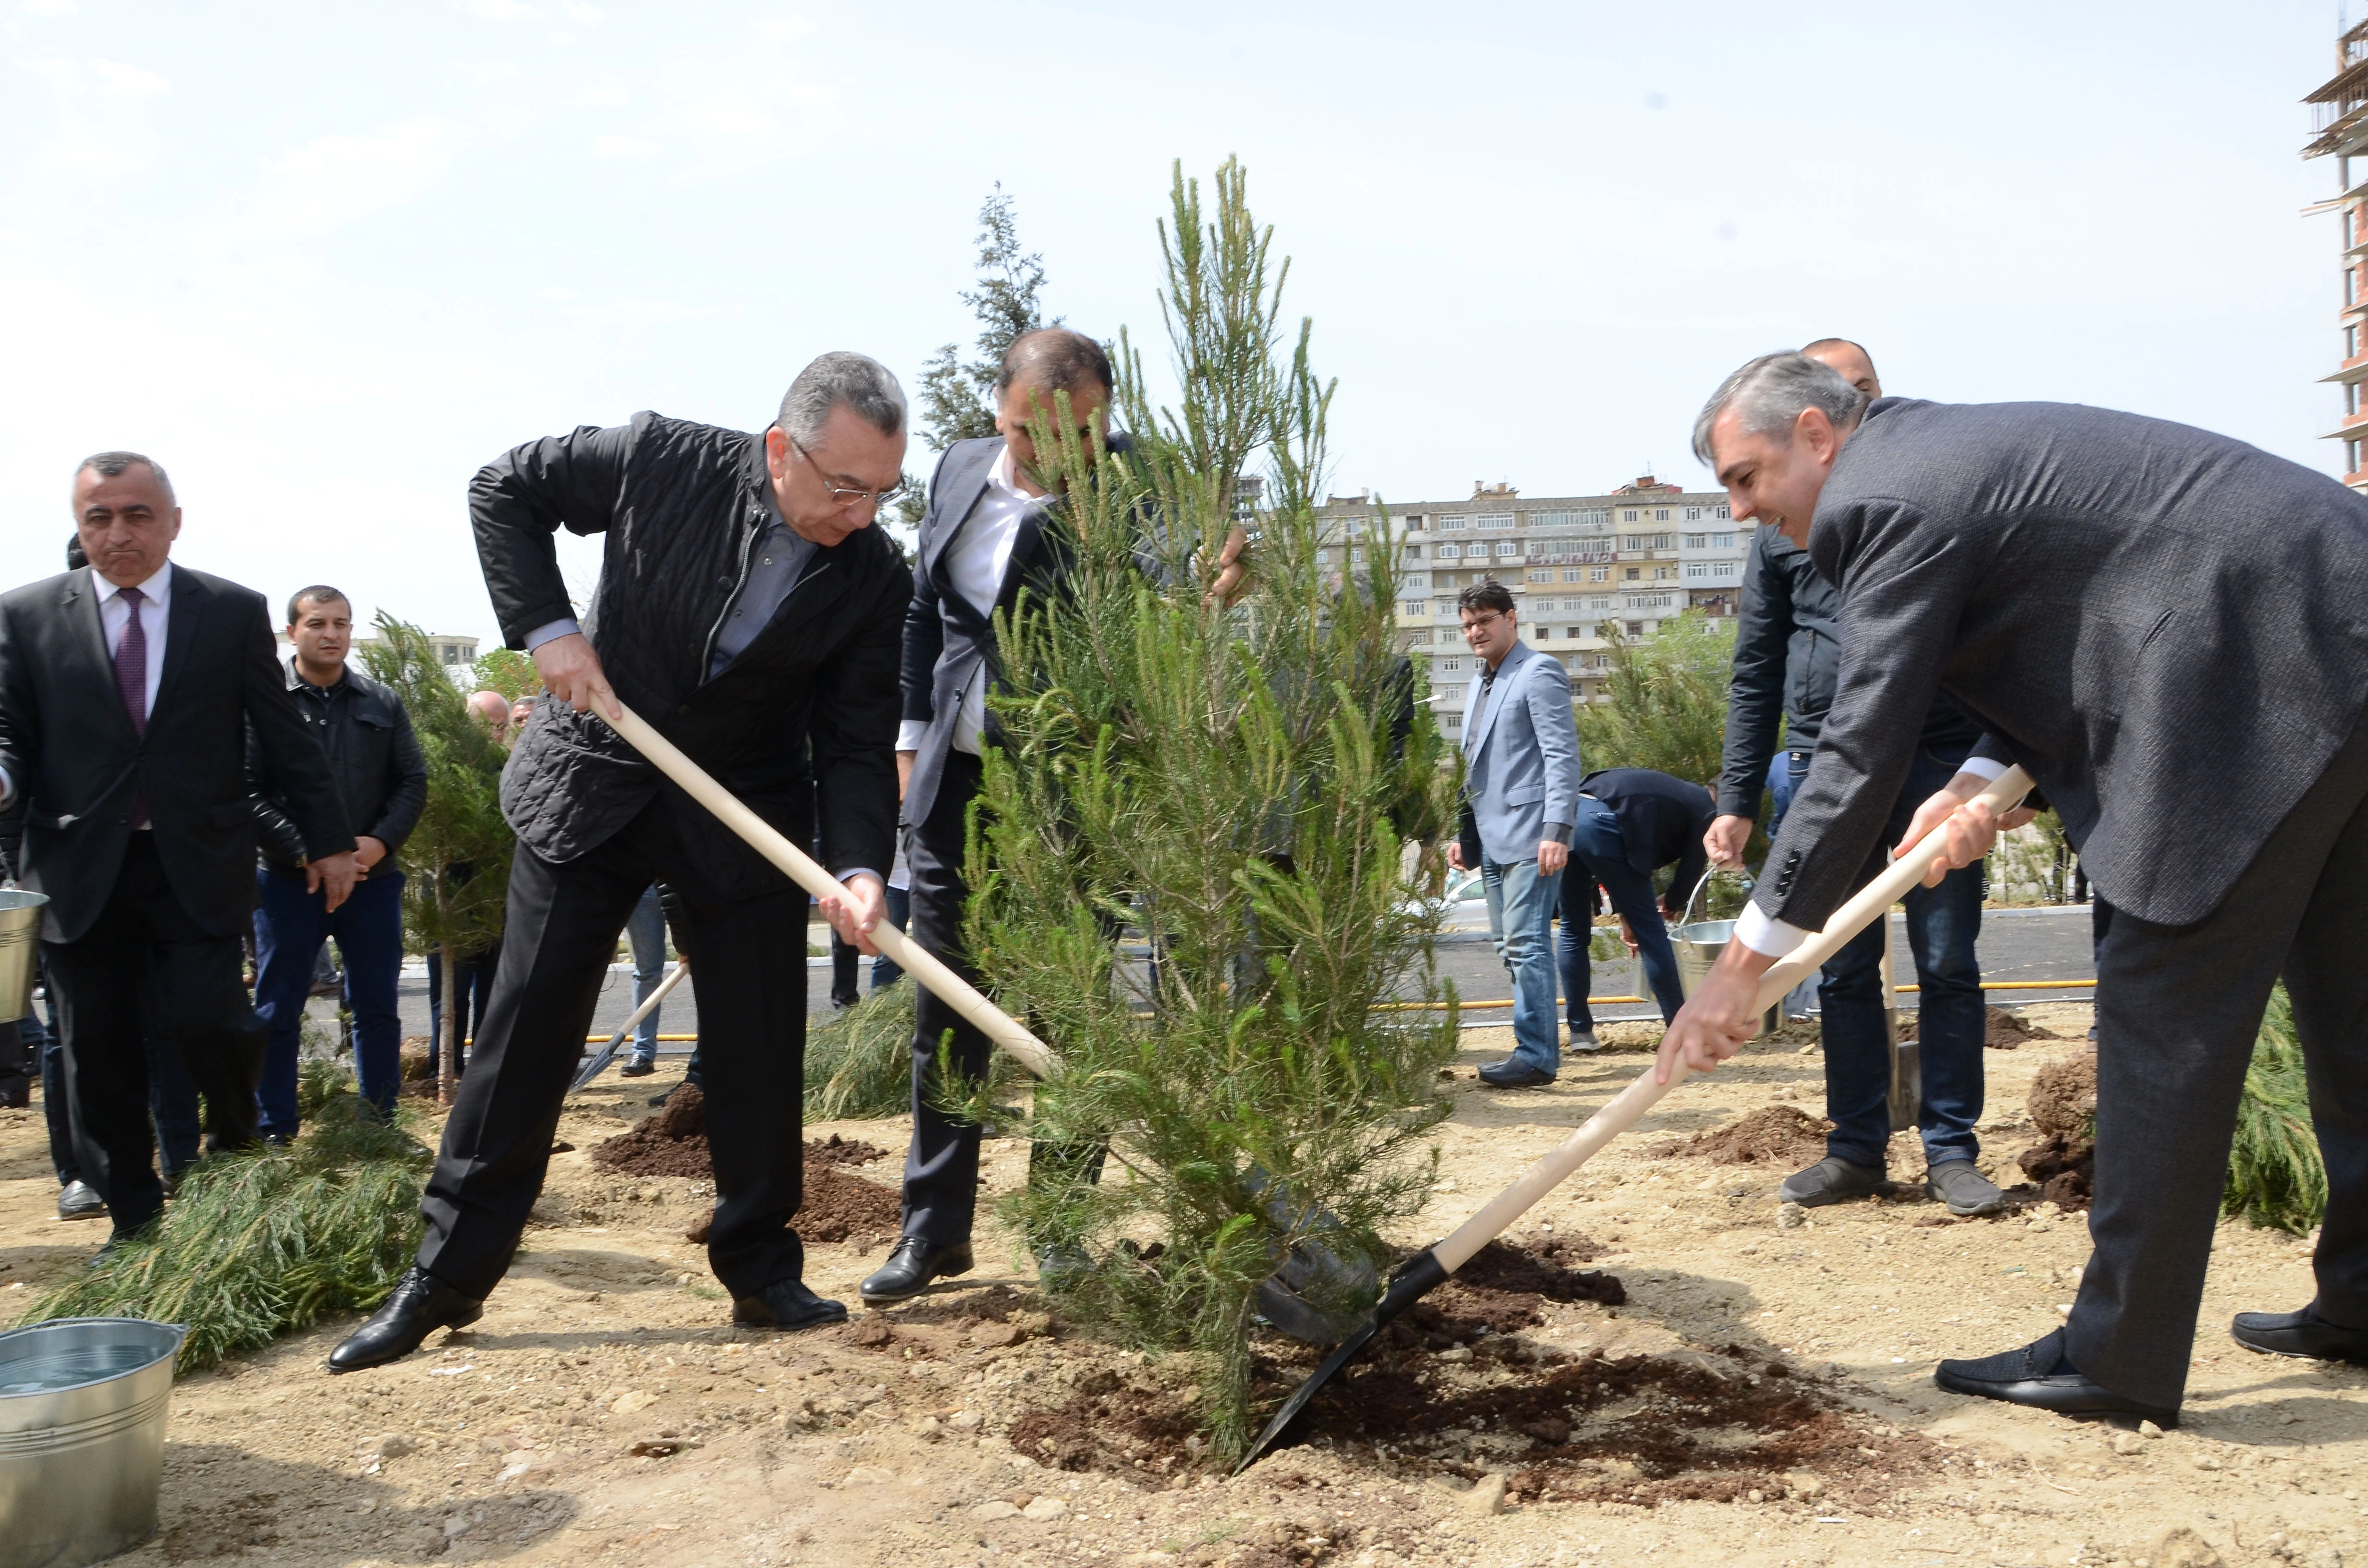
{"x": 2339, "y": 121}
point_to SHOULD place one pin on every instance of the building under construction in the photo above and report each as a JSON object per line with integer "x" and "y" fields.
{"x": 2340, "y": 112}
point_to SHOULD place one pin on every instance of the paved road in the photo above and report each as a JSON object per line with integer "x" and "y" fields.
{"x": 2016, "y": 944}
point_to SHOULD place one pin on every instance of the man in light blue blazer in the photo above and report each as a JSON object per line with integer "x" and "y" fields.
{"x": 1521, "y": 798}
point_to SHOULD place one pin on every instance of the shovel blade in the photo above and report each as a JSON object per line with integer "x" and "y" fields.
{"x": 598, "y": 1064}
{"x": 1415, "y": 1279}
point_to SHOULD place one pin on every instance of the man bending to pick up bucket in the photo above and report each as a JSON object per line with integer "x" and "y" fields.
{"x": 2091, "y": 588}
{"x": 748, "y": 607}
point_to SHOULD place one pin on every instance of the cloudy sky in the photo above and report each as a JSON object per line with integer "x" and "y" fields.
{"x": 324, "y": 261}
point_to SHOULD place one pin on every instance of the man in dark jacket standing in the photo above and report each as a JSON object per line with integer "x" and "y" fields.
{"x": 1787, "y": 649}
{"x": 126, "y": 691}
{"x": 746, "y": 609}
{"x": 1632, "y": 822}
{"x": 375, "y": 763}
{"x": 2091, "y": 586}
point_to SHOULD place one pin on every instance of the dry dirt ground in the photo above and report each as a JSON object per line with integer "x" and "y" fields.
{"x": 1762, "y": 1396}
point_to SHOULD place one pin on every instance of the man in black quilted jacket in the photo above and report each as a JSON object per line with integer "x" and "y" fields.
{"x": 748, "y": 611}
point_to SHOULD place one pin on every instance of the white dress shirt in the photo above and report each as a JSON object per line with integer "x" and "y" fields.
{"x": 978, "y": 562}
{"x": 115, "y": 618}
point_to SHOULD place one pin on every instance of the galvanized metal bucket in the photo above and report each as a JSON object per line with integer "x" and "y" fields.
{"x": 82, "y": 1437}
{"x": 20, "y": 949}
{"x": 1698, "y": 944}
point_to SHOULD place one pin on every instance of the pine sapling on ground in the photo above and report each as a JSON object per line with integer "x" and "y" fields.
{"x": 1229, "y": 790}
{"x": 456, "y": 863}
{"x": 2275, "y": 1176}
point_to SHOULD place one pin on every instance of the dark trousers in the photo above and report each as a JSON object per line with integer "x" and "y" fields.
{"x": 146, "y": 970}
{"x": 290, "y": 926}
{"x": 1951, "y": 1017}
{"x": 472, "y": 986}
{"x": 1602, "y": 856}
{"x": 1577, "y": 913}
{"x": 941, "y": 1167}
{"x": 2177, "y": 1010}
{"x": 562, "y": 922}
{"x": 172, "y": 1103}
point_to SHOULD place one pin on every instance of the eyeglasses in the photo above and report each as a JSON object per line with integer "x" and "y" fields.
{"x": 1483, "y": 622}
{"x": 847, "y": 494}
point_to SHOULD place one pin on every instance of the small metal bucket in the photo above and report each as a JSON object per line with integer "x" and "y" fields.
{"x": 20, "y": 949}
{"x": 82, "y": 1437}
{"x": 1697, "y": 945}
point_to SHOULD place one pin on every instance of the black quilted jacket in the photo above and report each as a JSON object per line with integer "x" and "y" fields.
{"x": 802, "y": 727}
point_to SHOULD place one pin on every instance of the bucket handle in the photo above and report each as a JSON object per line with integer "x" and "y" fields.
{"x": 1706, "y": 876}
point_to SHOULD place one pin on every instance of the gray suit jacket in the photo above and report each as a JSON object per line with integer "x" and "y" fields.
{"x": 1521, "y": 757}
{"x": 2168, "y": 628}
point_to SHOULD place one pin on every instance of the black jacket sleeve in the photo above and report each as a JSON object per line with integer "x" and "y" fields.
{"x": 1694, "y": 857}
{"x": 523, "y": 497}
{"x": 276, "y": 836}
{"x": 852, "y": 734}
{"x": 1755, "y": 694}
{"x": 924, "y": 631}
{"x": 289, "y": 750}
{"x": 407, "y": 784}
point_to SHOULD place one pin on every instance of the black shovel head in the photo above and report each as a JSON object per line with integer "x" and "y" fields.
{"x": 595, "y": 1065}
{"x": 1415, "y": 1278}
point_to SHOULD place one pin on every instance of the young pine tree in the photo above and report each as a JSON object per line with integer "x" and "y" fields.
{"x": 957, "y": 395}
{"x": 1233, "y": 788}
{"x": 457, "y": 861}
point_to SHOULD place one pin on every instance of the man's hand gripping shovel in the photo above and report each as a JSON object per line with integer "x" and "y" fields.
{"x": 1431, "y": 1267}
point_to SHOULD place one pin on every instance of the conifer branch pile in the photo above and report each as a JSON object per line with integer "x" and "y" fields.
{"x": 2275, "y": 1176}
{"x": 1229, "y": 793}
{"x": 267, "y": 1240}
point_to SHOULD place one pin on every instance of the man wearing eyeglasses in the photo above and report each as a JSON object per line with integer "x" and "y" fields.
{"x": 748, "y": 609}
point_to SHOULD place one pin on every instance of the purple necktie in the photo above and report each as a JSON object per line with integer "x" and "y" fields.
{"x": 132, "y": 682}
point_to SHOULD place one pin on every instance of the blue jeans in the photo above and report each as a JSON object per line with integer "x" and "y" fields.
{"x": 289, "y": 926}
{"x": 1597, "y": 844}
{"x": 646, "y": 936}
{"x": 1942, "y": 925}
{"x": 1578, "y": 917}
{"x": 1520, "y": 917}
{"x": 885, "y": 970}
{"x": 1785, "y": 776}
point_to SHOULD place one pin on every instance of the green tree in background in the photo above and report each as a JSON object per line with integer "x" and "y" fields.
{"x": 456, "y": 863}
{"x": 1667, "y": 707}
{"x": 1234, "y": 785}
{"x": 957, "y": 395}
{"x": 509, "y": 671}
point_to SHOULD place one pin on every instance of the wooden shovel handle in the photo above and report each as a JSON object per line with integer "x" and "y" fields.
{"x": 1629, "y": 1106}
{"x": 925, "y": 967}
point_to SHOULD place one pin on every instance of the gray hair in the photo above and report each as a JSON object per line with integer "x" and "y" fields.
{"x": 855, "y": 381}
{"x": 1770, "y": 392}
{"x": 110, "y": 465}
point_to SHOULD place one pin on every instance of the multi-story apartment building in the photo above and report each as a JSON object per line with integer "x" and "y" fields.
{"x": 2342, "y": 110}
{"x": 1578, "y": 566}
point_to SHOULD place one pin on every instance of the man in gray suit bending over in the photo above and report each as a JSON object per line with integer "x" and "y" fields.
{"x": 2092, "y": 588}
{"x": 1521, "y": 797}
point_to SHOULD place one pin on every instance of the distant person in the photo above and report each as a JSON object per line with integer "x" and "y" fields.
{"x": 137, "y": 824}
{"x": 1632, "y": 822}
{"x": 375, "y": 764}
{"x": 1787, "y": 653}
{"x": 493, "y": 710}
{"x": 645, "y": 939}
{"x": 520, "y": 711}
{"x": 1521, "y": 798}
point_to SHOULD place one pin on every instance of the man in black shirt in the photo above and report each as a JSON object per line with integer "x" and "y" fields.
{"x": 378, "y": 771}
{"x": 1632, "y": 822}
{"x": 1786, "y": 656}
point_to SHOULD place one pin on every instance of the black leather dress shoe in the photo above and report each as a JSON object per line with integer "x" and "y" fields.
{"x": 912, "y": 1263}
{"x": 80, "y": 1201}
{"x": 635, "y": 1067}
{"x": 1514, "y": 1073}
{"x": 2300, "y": 1333}
{"x": 787, "y": 1304}
{"x": 421, "y": 1304}
{"x": 2039, "y": 1376}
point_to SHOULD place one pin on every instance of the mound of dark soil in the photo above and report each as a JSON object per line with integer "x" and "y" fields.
{"x": 1504, "y": 1289}
{"x": 2002, "y": 1031}
{"x": 2064, "y": 1103}
{"x": 837, "y": 1205}
{"x": 1776, "y": 1134}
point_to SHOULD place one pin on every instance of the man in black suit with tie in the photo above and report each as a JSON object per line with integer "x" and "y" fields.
{"x": 127, "y": 692}
{"x": 2125, "y": 605}
{"x": 748, "y": 609}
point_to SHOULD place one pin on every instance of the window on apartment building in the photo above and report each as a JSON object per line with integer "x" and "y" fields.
{"x": 1661, "y": 541}
{"x": 1598, "y": 574}
{"x": 1416, "y": 580}
{"x": 1451, "y": 552}
{"x": 2352, "y": 340}
{"x": 1419, "y": 635}
{"x": 1449, "y": 523}
{"x": 1660, "y": 514}
{"x": 1697, "y": 541}
{"x": 1633, "y": 574}
{"x": 1413, "y": 552}
{"x": 1542, "y": 574}
{"x": 1573, "y": 575}
{"x": 1508, "y": 547}
{"x": 1633, "y": 541}
{"x": 2352, "y": 397}
{"x": 1722, "y": 511}
{"x": 1414, "y": 522}
{"x": 1497, "y": 522}
{"x": 1414, "y": 607}
{"x": 1693, "y": 514}
{"x": 2351, "y": 285}
{"x": 1697, "y": 568}
{"x": 1629, "y": 515}
{"x": 1723, "y": 542}
{"x": 1450, "y": 663}
{"x": 1636, "y": 629}
{"x": 2351, "y": 457}
{"x": 1665, "y": 574}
